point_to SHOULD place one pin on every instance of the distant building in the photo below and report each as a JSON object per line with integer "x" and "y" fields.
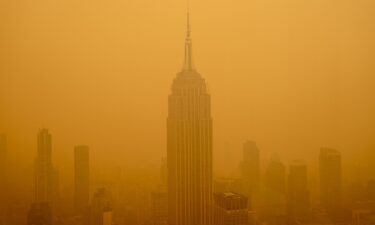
{"x": 251, "y": 167}
{"x": 40, "y": 214}
{"x": 43, "y": 168}
{"x": 189, "y": 146}
{"x": 271, "y": 206}
{"x": 159, "y": 207}
{"x": 275, "y": 176}
{"x": 81, "y": 178}
{"x": 298, "y": 193}
{"x": 363, "y": 217}
{"x": 100, "y": 211}
{"x": 330, "y": 178}
{"x": 230, "y": 209}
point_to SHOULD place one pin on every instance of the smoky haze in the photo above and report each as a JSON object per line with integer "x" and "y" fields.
{"x": 291, "y": 75}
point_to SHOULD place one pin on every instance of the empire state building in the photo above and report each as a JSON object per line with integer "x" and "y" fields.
{"x": 189, "y": 146}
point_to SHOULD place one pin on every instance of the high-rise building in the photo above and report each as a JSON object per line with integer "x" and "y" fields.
{"x": 189, "y": 146}
{"x": 230, "y": 209}
{"x": 298, "y": 193}
{"x": 43, "y": 168}
{"x": 81, "y": 178}
{"x": 330, "y": 178}
{"x": 251, "y": 167}
{"x": 101, "y": 211}
{"x": 275, "y": 176}
{"x": 40, "y": 214}
{"x": 159, "y": 206}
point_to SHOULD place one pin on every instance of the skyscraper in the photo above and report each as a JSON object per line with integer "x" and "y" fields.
{"x": 330, "y": 177}
{"x": 275, "y": 176}
{"x": 298, "y": 193}
{"x": 81, "y": 178}
{"x": 159, "y": 206}
{"x": 251, "y": 167}
{"x": 189, "y": 146}
{"x": 43, "y": 168}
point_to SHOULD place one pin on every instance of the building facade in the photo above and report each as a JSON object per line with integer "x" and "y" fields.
{"x": 189, "y": 147}
{"x": 101, "y": 209}
{"x": 298, "y": 192}
{"x": 159, "y": 207}
{"x": 330, "y": 178}
{"x": 275, "y": 176}
{"x": 230, "y": 209}
{"x": 81, "y": 178}
{"x": 250, "y": 167}
{"x": 44, "y": 174}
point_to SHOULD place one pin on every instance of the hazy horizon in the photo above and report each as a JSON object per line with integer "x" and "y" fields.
{"x": 293, "y": 76}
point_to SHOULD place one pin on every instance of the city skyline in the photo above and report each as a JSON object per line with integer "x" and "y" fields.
{"x": 331, "y": 103}
{"x": 275, "y": 127}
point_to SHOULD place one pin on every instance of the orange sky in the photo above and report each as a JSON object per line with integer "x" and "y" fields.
{"x": 292, "y": 75}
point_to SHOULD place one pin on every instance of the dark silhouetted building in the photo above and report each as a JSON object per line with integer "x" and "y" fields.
{"x": 43, "y": 168}
{"x": 250, "y": 167}
{"x": 159, "y": 207}
{"x": 81, "y": 178}
{"x": 230, "y": 209}
{"x": 40, "y": 214}
{"x": 330, "y": 178}
{"x": 275, "y": 176}
{"x": 298, "y": 193}
{"x": 46, "y": 177}
{"x": 189, "y": 147}
{"x": 101, "y": 211}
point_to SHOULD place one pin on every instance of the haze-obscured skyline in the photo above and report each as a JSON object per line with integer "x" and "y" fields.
{"x": 291, "y": 75}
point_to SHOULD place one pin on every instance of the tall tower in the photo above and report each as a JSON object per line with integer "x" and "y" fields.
{"x": 251, "y": 167}
{"x": 189, "y": 146}
{"x": 43, "y": 168}
{"x": 81, "y": 178}
{"x": 330, "y": 178}
{"x": 275, "y": 176}
{"x": 298, "y": 193}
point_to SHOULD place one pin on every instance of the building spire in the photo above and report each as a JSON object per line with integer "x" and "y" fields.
{"x": 188, "y": 65}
